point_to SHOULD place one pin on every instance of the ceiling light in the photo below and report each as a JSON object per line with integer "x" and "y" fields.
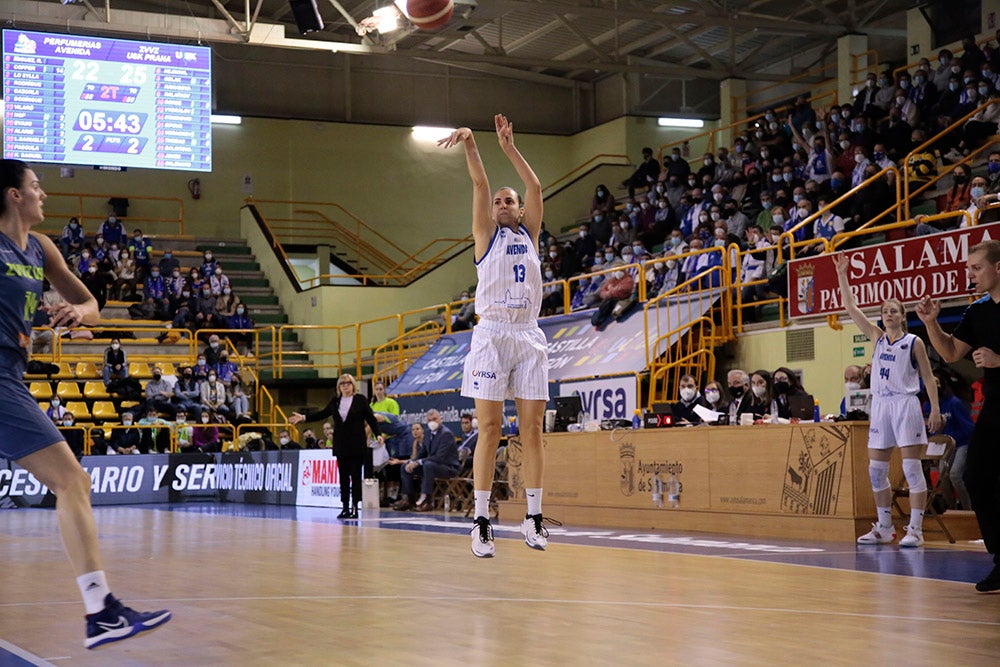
{"x": 429, "y": 133}
{"x": 681, "y": 122}
{"x": 222, "y": 119}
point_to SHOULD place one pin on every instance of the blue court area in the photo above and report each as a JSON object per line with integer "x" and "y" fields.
{"x": 928, "y": 562}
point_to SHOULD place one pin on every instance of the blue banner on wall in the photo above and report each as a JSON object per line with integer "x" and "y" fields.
{"x": 576, "y": 350}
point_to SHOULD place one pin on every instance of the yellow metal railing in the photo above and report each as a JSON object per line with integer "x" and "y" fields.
{"x": 858, "y": 73}
{"x": 395, "y": 356}
{"x": 578, "y": 170}
{"x": 167, "y": 212}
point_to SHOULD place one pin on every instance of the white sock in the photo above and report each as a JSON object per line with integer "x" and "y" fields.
{"x": 422, "y": 499}
{"x": 534, "y": 497}
{"x": 884, "y": 516}
{"x": 917, "y": 518}
{"x": 93, "y": 588}
{"x": 482, "y": 504}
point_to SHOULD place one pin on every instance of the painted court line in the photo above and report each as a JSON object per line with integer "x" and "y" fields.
{"x": 14, "y": 656}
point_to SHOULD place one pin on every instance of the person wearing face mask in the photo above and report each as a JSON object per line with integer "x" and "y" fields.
{"x": 465, "y": 312}
{"x": 738, "y": 388}
{"x": 688, "y": 397}
{"x": 56, "y": 410}
{"x": 617, "y": 292}
{"x": 677, "y": 166}
{"x": 205, "y": 434}
{"x": 437, "y": 457}
{"x": 760, "y": 401}
{"x": 984, "y": 123}
{"x": 208, "y": 265}
{"x": 218, "y": 281}
{"x": 74, "y": 436}
{"x": 225, "y": 304}
{"x": 112, "y": 230}
{"x": 600, "y": 227}
{"x": 97, "y": 280}
{"x": 786, "y": 384}
{"x": 213, "y": 394}
{"x": 959, "y": 195}
{"x": 239, "y": 403}
{"x": 603, "y": 203}
{"x": 942, "y": 72}
{"x": 399, "y": 442}
{"x": 350, "y": 412}
{"x": 552, "y": 291}
{"x": 584, "y": 244}
{"x": 645, "y": 175}
{"x": 753, "y": 271}
{"x": 715, "y": 397}
{"x": 309, "y": 440}
{"x": 72, "y": 238}
{"x": 702, "y": 263}
{"x": 141, "y": 249}
{"x": 205, "y": 316}
{"x": 623, "y": 234}
{"x": 127, "y": 439}
{"x": 154, "y": 289}
{"x": 168, "y": 263}
{"x": 820, "y": 160}
{"x": 241, "y": 321}
{"x": 228, "y": 370}
{"x": 187, "y": 392}
{"x": 184, "y": 433}
{"x": 115, "y": 362}
{"x": 159, "y": 394}
{"x": 124, "y": 276}
{"x": 285, "y": 440}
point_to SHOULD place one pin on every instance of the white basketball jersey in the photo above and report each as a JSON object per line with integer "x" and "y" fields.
{"x": 894, "y": 368}
{"x": 510, "y": 278}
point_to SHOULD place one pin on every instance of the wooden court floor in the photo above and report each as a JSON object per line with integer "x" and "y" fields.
{"x": 251, "y": 591}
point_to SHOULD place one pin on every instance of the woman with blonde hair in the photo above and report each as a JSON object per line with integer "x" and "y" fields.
{"x": 350, "y": 412}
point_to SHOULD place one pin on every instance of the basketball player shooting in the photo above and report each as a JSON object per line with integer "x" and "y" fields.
{"x": 508, "y": 357}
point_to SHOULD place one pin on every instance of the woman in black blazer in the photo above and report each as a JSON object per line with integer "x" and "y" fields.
{"x": 350, "y": 412}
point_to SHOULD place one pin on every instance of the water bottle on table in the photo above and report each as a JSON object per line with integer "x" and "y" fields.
{"x": 673, "y": 491}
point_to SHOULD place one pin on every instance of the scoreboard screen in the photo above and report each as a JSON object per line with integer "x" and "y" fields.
{"x": 79, "y": 100}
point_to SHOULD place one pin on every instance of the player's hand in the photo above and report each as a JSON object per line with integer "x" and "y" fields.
{"x": 64, "y": 314}
{"x": 928, "y": 310}
{"x": 934, "y": 421}
{"x": 840, "y": 263}
{"x": 986, "y": 358}
{"x": 455, "y": 138}
{"x": 296, "y": 418}
{"x": 505, "y": 131}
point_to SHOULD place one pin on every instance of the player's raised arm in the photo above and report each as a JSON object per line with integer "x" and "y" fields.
{"x": 868, "y": 328}
{"x": 950, "y": 348}
{"x": 532, "y": 219}
{"x": 482, "y": 204}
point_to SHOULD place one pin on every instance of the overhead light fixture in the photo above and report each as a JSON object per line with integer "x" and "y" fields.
{"x": 429, "y": 133}
{"x": 695, "y": 123}
{"x": 223, "y": 119}
{"x": 388, "y": 18}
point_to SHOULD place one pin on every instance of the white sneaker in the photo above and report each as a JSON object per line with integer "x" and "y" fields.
{"x": 482, "y": 538}
{"x": 914, "y": 537}
{"x": 878, "y": 535}
{"x": 535, "y": 534}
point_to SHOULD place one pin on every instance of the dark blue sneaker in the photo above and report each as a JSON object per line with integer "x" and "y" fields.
{"x": 117, "y": 622}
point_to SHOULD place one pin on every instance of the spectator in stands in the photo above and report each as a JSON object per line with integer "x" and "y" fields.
{"x": 437, "y": 457}
{"x": 183, "y": 309}
{"x": 225, "y": 305}
{"x": 241, "y": 322}
{"x": 462, "y": 319}
{"x": 381, "y": 402}
{"x": 85, "y": 261}
{"x": 239, "y": 403}
{"x": 603, "y": 203}
{"x": 184, "y": 433}
{"x": 896, "y": 133}
{"x": 159, "y": 393}
{"x": 326, "y": 442}
{"x": 984, "y": 124}
{"x": 584, "y": 245}
{"x": 218, "y": 282}
{"x": 126, "y": 440}
{"x": 646, "y": 174}
{"x": 72, "y": 238}
{"x": 552, "y": 292}
{"x": 802, "y": 115}
{"x": 585, "y": 295}
{"x": 883, "y": 97}
{"x": 552, "y": 258}
{"x": 700, "y": 263}
{"x": 155, "y": 289}
{"x": 825, "y": 226}
{"x": 623, "y": 233}
{"x": 97, "y": 281}
{"x": 154, "y": 439}
{"x": 285, "y": 440}
{"x": 205, "y": 436}
{"x": 72, "y": 434}
{"x": 176, "y": 286}
{"x": 753, "y": 269}
{"x": 398, "y": 438}
{"x": 820, "y": 161}
{"x": 959, "y": 195}
{"x": 102, "y": 254}
{"x": 401, "y": 459}
{"x": 676, "y": 165}
{"x": 187, "y": 393}
{"x": 786, "y": 384}
{"x": 571, "y": 263}
{"x": 141, "y": 248}
{"x": 467, "y": 441}
{"x": 228, "y": 370}
{"x": 943, "y": 72}
{"x": 213, "y": 394}
{"x": 617, "y": 294}
{"x": 688, "y": 398}
{"x": 759, "y": 402}
{"x": 309, "y": 439}
{"x": 195, "y": 281}
{"x": 213, "y": 351}
{"x": 205, "y": 316}
{"x": 115, "y": 362}
{"x": 350, "y": 412}
{"x": 168, "y": 263}
{"x": 656, "y": 275}
{"x": 209, "y": 265}
{"x": 739, "y": 386}
{"x": 124, "y": 277}
{"x": 112, "y": 230}
{"x": 715, "y": 397}
{"x": 924, "y": 93}
{"x": 56, "y": 411}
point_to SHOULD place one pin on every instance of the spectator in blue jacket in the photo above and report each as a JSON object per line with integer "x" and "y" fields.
{"x": 72, "y": 238}
{"x": 437, "y": 457}
{"x": 112, "y": 230}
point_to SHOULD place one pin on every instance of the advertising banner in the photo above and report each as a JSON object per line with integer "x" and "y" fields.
{"x": 904, "y": 270}
{"x": 576, "y": 350}
{"x": 607, "y": 398}
{"x": 318, "y": 480}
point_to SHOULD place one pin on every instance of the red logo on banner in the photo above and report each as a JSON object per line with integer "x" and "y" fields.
{"x": 904, "y": 270}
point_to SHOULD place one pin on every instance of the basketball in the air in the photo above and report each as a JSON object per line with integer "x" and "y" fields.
{"x": 429, "y": 14}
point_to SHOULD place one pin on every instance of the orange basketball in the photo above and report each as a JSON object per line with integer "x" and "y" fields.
{"x": 429, "y": 14}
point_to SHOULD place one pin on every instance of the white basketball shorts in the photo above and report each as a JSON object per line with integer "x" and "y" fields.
{"x": 896, "y": 421}
{"x": 507, "y": 361}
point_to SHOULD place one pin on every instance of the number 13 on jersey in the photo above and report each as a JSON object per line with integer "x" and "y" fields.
{"x": 519, "y": 272}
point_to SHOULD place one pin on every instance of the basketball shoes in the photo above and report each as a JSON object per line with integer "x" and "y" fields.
{"x": 482, "y": 538}
{"x": 116, "y": 622}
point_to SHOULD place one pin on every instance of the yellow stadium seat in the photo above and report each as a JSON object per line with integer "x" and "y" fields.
{"x": 86, "y": 370}
{"x": 95, "y": 390}
{"x": 167, "y": 368}
{"x": 105, "y": 411}
{"x": 66, "y": 390}
{"x": 44, "y": 405}
{"x": 139, "y": 369}
{"x": 65, "y": 372}
{"x": 129, "y": 404}
{"x": 41, "y": 391}
{"x": 79, "y": 410}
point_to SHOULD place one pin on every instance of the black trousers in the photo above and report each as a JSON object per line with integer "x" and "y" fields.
{"x": 982, "y": 475}
{"x": 350, "y": 479}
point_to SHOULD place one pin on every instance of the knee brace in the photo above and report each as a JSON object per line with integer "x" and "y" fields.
{"x": 914, "y": 473}
{"x": 878, "y": 471}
